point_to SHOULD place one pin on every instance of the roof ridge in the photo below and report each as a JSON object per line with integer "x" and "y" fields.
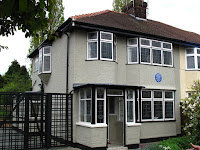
{"x": 90, "y": 14}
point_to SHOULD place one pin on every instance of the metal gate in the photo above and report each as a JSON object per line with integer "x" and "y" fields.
{"x": 35, "y": 120}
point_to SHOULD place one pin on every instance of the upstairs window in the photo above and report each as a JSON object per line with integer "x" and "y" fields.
{"x": 151, "y": 52}
{"x": 36, "y": 63}
{"x": 45, "y": 60}
{"x": 193, "y": 59}
{"x": 101, "y": 46}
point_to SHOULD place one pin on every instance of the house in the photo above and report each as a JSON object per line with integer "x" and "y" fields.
{"x": 125, "y": 72}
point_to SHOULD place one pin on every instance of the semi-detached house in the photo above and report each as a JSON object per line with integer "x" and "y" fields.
{"x": 124, "y": 72}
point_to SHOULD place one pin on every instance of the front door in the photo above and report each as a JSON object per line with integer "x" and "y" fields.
{"x": 115, "y": 120}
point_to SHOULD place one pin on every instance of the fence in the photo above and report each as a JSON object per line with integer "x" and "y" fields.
{"x": 35, "y": 120}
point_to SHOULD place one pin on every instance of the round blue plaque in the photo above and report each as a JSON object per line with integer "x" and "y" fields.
{"x": 158, "y": 77}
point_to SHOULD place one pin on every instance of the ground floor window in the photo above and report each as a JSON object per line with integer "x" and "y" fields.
{"x": 100, "y": 105}
{"x": 130, "y": 103}
{"x": 85, "y": 105}
{"x": 157, "y": 105}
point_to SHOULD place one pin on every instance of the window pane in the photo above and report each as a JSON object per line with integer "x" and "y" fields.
{"x": 106, "y": 36}
{"x": 106, "y": 50}
{"x": 146, "y": 94}
{"x": 156, "y": 44}
{"x": 130, "y": 111}
{"x": 157, "y": 94}
{"x": 190, "y": 62}
{"x": 40, "y": 61}
{"x": 167, "y": 45}
{"x": 198, "y": 51}
{"x": 169, "y": 95}
{"x": 82, "y": 111}
{"x": 169, "y": 110}
{"x": 145, "y": 55}
{"x": 111, "y": 105}
{"x": 132, "y": 41}
{"x": 146, "y": 110}
{"x": 198, "y": 59}
{"x": 82, "y": 94}
{"x": 35, "y": 108}
{"x": 129, "y": 94}
{"x": 115, "y": 49}
{"x": 47, "y": 63}
{"x": 158, "y": 110}
{"x": 88, "y": 110}
{"x": 100, "y": 111}
{"x": 167, "y": 57}
{"x": 132, "y": 54}
{"x": 156, "y": 56}
{"x": 100, "y": 93}
{"x": 92, "y": 35}
{"x": 189, "y": 51}
{"x": 47, "y": 50}
{"x": 92, "y": 49}
{"x": 145, "y": 42}
{"x": 88, "y": 93}
{"x": 114, "y": 92}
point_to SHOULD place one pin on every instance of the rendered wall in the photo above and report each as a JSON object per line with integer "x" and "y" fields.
{"x": 187, "y": 77}
{"x": 133, "y": 134}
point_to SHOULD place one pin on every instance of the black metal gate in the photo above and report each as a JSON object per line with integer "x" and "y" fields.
{"x": 35, "y": 120}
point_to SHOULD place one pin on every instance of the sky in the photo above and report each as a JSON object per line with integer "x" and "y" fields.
{"x": 183, "y": 14}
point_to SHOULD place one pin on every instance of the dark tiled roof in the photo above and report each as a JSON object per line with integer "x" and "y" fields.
{"x": 124, "y": 21}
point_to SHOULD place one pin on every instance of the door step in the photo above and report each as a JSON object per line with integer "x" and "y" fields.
{"x": 117, "y": 148}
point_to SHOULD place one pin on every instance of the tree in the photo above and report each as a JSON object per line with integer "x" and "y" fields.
{"x": 26, "y": 15}
{"x": 119, "y": 4}
{"x": 16, "y": 79}
{"x": 191, "y": 110}
{"x": 1, "y": 81}
{"x": 55, "y": 18}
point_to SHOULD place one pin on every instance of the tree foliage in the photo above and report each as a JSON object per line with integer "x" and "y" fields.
{"x": 191, "y": 110}
{"x": 119, "y": 4}
{"x": 55, "y": 18}
{"x": 16, "y": 79}
{"x": 26, "y": 15}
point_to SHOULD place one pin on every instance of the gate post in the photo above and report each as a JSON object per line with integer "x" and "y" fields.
{"x": 26, "y": 122}
{"x": 48, "y": 113}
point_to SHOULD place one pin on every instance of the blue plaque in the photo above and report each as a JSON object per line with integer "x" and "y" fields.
{"x": 158, "y": 77}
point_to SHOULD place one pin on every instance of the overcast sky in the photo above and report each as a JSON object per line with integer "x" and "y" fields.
{"x": 184, "y": 14}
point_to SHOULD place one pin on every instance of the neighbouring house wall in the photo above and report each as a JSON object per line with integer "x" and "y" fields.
{"x": 187, "y": 78}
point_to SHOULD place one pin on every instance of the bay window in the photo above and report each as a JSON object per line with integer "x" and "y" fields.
{"x": 157, "y": 105}
{"x": 132, "y": 47}
{"x": 101, "y": 46}
{"x": 45, "y": 60}
{"x": 193, "y": 59}
{"x": 36, "y": 63}
{"x": 100, "y": 105}
{"x": 130, "y": 103}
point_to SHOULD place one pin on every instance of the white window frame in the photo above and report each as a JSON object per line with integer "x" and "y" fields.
{"x": 195, "y": 55}
{"x": 156, "y": 48}
{"x": 132, "y": 46}
{"x": 48, "y": 55}
{"x": 85, "y": 99}
{"x": 126, "y": 104}
{"x": 106, "y": 41}
{"x": 41, "y": 56}
{"x": 36, "y": 64}
{"x": 152, "y": 100}
{"x": 92, "y": 40}
{"x": 101, "y": 99}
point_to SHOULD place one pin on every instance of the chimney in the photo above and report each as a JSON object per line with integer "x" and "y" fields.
{"x": 137, "y": 8}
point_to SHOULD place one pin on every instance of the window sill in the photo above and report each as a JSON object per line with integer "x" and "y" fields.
{"x": 102, "y": 125}
{"x": 133, "y": 124}
{"x": 102, "y": 60}
{"x": 151, "y": 121}
{"x": 192, "y": 70}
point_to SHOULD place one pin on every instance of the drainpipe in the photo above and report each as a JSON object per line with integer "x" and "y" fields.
{"x": 67, "y": 70}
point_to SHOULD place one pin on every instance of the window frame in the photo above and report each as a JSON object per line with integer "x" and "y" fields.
{"x": 106, "y": 41}
{"x": 132, "y": 46}
{"x": 36, "y": 64}
{"x": 92, "y": 40}
{"x": 41, "y": 57}
{"x": 85, "y": 99}
{"x": 126, "y": 104}
{"x": 151, "y": 47}
{"x": 104, "y": 109}
{"x": 195, "y": 55}
{"x": 163, "y": 99}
